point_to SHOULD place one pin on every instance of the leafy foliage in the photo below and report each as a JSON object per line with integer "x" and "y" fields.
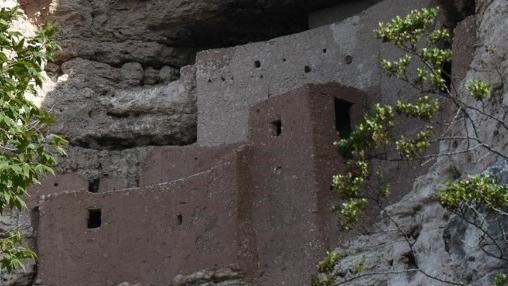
{"x": 26, "y": 153}
{"x": 407, "y": 30}
{"x": 422, "y": 66}
{"x": 478, "y": 89}
{"x": 326, "y": 268}
{"x": 424, "y": 109}
{"x": 479, "y": 190}
{"x": 500, "y": 279}
{"x": 424, "y": 45}
{"x": 14, "y": 255}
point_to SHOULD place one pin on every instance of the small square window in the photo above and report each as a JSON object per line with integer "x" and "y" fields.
{"x": 276, "y": 127}
{"x": 94, "y": 218}
{"x": 93, "y": 185}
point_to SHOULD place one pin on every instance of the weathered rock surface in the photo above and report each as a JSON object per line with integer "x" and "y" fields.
{"x": 166, "y": 31}
{"x": 105, "y": 170}
{"x": 455, "y": 10}
{"x": 446, "y": 246}
{"x": 16, "y": 221}
{"x": 232, "y": 80}
{"x": 102, "y": 107}
{"x": 220, "y": 277}
{"x": 123, "y": 49}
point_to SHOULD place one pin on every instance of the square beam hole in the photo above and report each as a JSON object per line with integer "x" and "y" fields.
{"x": 94, "y": 218}
{"x": 343, "y": 118}
{"x": 276, "y": 127}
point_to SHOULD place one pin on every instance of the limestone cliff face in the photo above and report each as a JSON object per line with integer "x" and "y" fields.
{"x": 109, "y": 81}
{"x": 446, "y": 246}
{"x": 127, "y": 78}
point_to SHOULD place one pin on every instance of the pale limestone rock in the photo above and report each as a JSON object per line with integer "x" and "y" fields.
{"x": 220, "y": 277}
{"x": 446, "y": 247}
{"x": 168, "y": 74}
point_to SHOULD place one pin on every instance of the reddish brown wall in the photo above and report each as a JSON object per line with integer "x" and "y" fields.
{"x": 164, "y": 164}
{"x": 52, "y": 185}
{"x": 264, "y": 206}
{"x": 291, "y": 175}
{"x": 140, "y": 238}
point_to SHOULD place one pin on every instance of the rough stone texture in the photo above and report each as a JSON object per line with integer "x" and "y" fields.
{"x": 12, "y": 221}
{"x": 456, "y": 10}
{"x": 102, "y": 107}
{"x": 339, "y": 12}
{"x": 112, "y": 48}
{"x": 129, "y": 284}
{"x": 107, "y": 44}
{"x": 168, "y": 74}
{"x": 446, "y": 246}
{"x": 231, "y": 80}
{"x": 151, "y": 76}
{"x": 132, "y": 74}
{"x": 220, "y": 277}
{"x": 167, "y": 32}
{"x": 104, "y": 170}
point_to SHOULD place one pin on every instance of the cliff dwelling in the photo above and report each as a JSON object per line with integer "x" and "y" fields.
{"x": 201, "y": 137}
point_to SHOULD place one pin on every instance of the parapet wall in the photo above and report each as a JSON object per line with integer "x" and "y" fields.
{"x": 262, "y": 206}
{"x": 147, "y": 235}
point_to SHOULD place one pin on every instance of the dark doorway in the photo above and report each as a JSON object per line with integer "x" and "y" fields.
{"x": 343, "y": 117}
{"x": 276, "y": 127}
{"x": 94, "y": 218}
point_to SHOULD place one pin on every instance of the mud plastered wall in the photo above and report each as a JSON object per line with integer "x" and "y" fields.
{"x": 257, "y": 206}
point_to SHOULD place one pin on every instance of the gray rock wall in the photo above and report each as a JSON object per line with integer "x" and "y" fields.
{"x": 446, "y": 247}
{"x": 102, "y": 107}
{"x": 231, "y": 80}
{"x": 339, "y": 12}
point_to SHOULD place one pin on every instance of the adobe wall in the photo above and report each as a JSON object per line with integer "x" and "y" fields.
{"x": 263, "y": 207}
{"x": 291, "y": 171}
{"x": 231, "y": 80}
{"x": 146, "y": 235}
{"x": 164, "y": 164}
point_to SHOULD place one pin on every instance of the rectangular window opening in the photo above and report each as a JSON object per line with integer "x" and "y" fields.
{"x": 343, "y": 118}
{"x": 276, "y": 127}
{"x": 93, "y": 185}
{"x": 94, "y": 218}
